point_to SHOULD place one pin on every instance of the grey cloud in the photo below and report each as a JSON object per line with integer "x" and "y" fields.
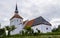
{"x": 30, "y": 9}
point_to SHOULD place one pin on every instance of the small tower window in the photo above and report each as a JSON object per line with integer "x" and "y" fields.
{"x": 20, "y": 20}
{"x": 20, "y": 23}
{"x": 17, "y": 20}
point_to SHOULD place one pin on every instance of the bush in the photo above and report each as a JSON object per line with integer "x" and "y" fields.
{"x": 2, "y": 32}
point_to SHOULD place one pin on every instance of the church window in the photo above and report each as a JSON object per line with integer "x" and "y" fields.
{"x": 20, "y": 23}
{"x": 20, "y": 20}
{"x": 46, "y": 28}
{"x": 17, "y": 20}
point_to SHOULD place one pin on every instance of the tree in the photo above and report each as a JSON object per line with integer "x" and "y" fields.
{"x": 54, "y": 29}
{"x": 58, "y": 29}
{"x": 28, "y": 30}
{"x": 13, "y": 27}
{"x": 58, "y": 26}
{"x": 10, "y": 28}
{"x": 22, "y": 32}
{"x": 38, "y": 30}
{"x": 2, "y": 32}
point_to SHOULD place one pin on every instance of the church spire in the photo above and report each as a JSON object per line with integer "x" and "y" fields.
{"x": 16, "y": 9}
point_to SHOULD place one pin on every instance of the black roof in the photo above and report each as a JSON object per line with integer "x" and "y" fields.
{"x": 40, "y": 20}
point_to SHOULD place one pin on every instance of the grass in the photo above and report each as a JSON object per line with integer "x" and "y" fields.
{"x": 39, "y": 36}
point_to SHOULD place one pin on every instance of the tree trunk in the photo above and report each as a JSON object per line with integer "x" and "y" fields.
{"x": 8, "y": 33}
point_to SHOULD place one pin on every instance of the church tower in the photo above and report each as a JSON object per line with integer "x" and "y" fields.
{"x": 17, "y": 21}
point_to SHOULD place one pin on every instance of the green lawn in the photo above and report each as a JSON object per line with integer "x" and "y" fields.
{"x": 39, "y": 36}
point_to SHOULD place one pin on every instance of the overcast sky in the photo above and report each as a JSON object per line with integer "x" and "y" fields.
{"x": 30, "y": 9}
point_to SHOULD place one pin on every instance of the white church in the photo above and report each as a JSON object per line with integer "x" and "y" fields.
{"x": 38, "y": 23}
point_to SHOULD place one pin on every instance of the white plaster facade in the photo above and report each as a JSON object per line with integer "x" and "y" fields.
{"x": 18, "y": 24}
{"x": 43, "y": 28}
{"x": 16, "y": 21}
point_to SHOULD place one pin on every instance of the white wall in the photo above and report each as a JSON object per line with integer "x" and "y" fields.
{"x": 42, "y": 28}
{"x": 16, "y": 21}
{"x": 18, "y": 24}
